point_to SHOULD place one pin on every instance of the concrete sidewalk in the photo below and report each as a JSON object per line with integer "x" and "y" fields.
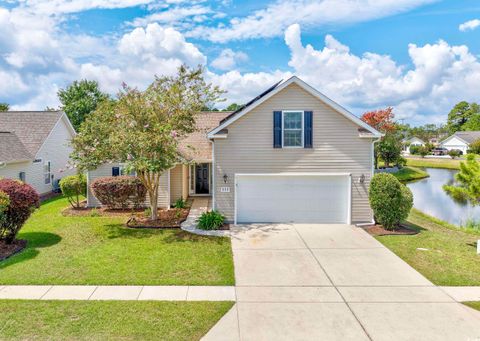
{"x": 115, "y": 292}
{"x": 333, "y": 282}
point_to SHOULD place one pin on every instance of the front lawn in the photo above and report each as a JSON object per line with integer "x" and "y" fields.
{"x": 112, "y": 320}
{"x": 434, "y": 163}
{"x": 474, "y": 305}
{"x": 410, "y": 173}
{"x": 442, "y": 253}
{"x": 100, "y": 250}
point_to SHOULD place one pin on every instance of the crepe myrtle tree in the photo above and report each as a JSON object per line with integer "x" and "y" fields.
{"x": 142, "y": 128}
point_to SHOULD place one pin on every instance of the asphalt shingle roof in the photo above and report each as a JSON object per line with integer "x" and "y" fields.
{"x": 30, "y": 127}
{"x": 196, "y": 146}
{"x": 468, "y": 136}
{"x": 11, "y": 148}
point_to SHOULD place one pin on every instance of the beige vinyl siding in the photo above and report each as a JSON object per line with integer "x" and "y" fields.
{"x": 178, "y": 183}
{"x": 106, "y": 170}
{"x": 336, "y": 148}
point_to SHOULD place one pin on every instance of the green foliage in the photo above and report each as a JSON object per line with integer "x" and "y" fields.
{"x": 401, "y": 162}
{"x": 119, "y": 192}
{"x": 147, "y": 212}
{"x": 233, "y": 107}
{"x": 180, "y": 203}
{"x": 73, "y": 187}
{"x": 4, "y": 107}
{"x": 461, "y": 114}
{"x": 389, "y": 149}
{"x": 475, "y": 147}
{"x": 23, "y": 200}
{"x": 453, "y": 153}
{"x": 94, "y": 213}
{"x": 473, "y": 123}
{"x": 415, "y": 150}
{"x": 142, "y": 129}
{"x": 80, "y": 99}
{"x": 467, "y": 186}
{"x": 390, "y": 200}
{"x": 423, "y": 151}
{"x": 211, "y": 220}
{"x": 472, "y": 224}
{"x": 4, "y": 203}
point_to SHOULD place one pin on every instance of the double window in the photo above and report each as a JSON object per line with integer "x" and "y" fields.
{"x": 292, "y": 128}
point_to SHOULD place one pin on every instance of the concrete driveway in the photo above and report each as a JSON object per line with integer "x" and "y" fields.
{"x": 333, "y": 282}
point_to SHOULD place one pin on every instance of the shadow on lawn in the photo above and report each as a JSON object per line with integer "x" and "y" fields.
{"x": 35, "y": 241}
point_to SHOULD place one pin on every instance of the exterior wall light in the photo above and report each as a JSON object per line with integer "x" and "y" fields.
{"x": 362, "y": 179}
{"x": 225, "y": 178}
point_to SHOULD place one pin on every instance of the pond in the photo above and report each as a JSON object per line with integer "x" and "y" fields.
{"x": 430, "y": 198}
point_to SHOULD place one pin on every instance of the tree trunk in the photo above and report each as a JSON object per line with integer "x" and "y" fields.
{"x": 151, "y": 181}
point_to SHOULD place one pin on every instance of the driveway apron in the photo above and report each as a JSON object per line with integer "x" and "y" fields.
{"x": 333, "y": 282}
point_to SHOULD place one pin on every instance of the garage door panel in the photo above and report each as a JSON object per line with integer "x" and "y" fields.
{"x": 284, "y": 198}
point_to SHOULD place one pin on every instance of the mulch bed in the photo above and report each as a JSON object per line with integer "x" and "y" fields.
{"x": 171, "y": 218}
{"x": 8, "y": 250}
{"x": 101, "y": 211}
{"x": 379, "y": 230}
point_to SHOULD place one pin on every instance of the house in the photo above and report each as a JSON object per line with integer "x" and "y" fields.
{"x": 34, "y": 147}
{"x": 412, "y": 141}
{"x": 460, "y": 140}
{"x": 289, "y": 155}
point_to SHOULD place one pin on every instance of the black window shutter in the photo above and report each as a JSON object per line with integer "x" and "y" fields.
{"x": 277, "y": 129}
{"x": 308, "y": 138}
{"x": 115, "y": 171}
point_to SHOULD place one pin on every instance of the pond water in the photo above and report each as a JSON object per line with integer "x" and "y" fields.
{"x": 430, "y": 198}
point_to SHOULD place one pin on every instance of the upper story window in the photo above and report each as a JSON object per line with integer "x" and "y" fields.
{"x": 292, "y": 129}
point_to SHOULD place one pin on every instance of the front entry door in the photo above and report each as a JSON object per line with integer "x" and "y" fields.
{"x": 202, "y": 179}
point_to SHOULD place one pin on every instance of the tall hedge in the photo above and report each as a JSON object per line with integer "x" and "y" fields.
{"x": 23, "y": 200}
{"x": 119, "y": 192}
{"x": 391, "y": 201}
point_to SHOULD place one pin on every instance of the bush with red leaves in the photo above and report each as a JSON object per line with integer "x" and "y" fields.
{"x": 119, "y": 192}
{"x": 23, "y": 200}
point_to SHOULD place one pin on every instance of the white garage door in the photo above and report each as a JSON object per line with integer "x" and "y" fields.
{"x": 299, "y": 198}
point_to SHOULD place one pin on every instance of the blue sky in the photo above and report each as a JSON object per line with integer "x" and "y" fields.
{"x": 419, "y": 56}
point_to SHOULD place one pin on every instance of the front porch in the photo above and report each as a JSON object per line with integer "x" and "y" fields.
{"x": 191, "y": 180}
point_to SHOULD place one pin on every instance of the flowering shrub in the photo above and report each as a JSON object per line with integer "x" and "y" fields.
{"x": 119, "y": 192}
{"x": 22, "y": 201}
{"x": 73, "y": 187}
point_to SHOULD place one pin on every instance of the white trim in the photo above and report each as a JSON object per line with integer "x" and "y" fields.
{"x": 310, "y": 90}
{"x": 451, "y": 137}
{"x": 302, "y": 114}
{"x": 192, "y": 193}
{"x": 169, "y": 205}
{"x": 213, "y": 175}
{"x": 220, "y": 136}
{"x": 349, "y": 204}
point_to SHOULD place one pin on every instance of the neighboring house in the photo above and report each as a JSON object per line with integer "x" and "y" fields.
{"x": 34, "y": 147}
{"x": 289, "y": 155}
{"x": 413, "y": 141}
{"x": 460, "y": 140}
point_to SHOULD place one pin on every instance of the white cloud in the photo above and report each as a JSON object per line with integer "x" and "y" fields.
{"x": 469, "y": 25}
{"x": 175, "y": 15}
{"x": 441, "y": 76}
{"x": 229, "y": 59}
{"x": 275, "y": 18}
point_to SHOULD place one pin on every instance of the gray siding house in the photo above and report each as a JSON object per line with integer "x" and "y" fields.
{"x": 35, "y": 147}
{"x": 289, "y": 155}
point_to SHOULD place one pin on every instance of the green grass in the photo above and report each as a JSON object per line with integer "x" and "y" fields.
{"x": 410, "y": 173}
{"x": 101, "y": 250}
{"x": 112, "y": 320}
{"x": 434, "y": 163}
{"x": 450, "y": 258}
{"x": 474, "y": 305}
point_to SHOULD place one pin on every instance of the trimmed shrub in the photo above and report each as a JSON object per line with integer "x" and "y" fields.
{"x": 211, "y": 220}
{"x": 73, "y": 187}
{"x": 390, "y": 200}
{"x": 119, "y": 192}
{"x": 415, "y": 150}
{"x": 4, "y": 203}
{"x": 23, "y": 200}
{"x": 454, "y": 153}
